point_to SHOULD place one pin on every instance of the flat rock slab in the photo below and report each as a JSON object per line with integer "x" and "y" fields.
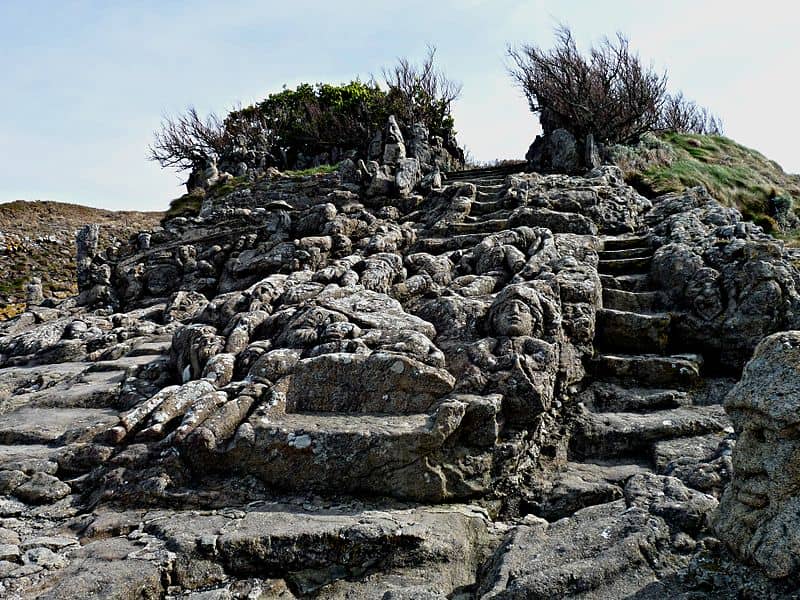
{"x": 679, "y": 371}
{"x": 618, "y": 434}
{"x": 602, "y": 551}
{"x": 580, "y": 485}
{"x": 400, "y": 456}
{"x": 703, "y": 448}
{"x": 106, "y": 569}
{"x": 313, "y": 548}
{"x": 49, "y": 425}
{"x": 18, "y": 453}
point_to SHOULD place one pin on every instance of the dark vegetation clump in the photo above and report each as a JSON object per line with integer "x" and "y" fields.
{"x": 608, "y": 93}
{"x": 311, "y": 124}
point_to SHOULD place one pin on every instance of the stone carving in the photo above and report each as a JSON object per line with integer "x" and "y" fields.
{"x": 759, "y": 516}
{"x": 33, "y": 292}
{"x": 735, "y": 283}
{"x": 258, "y": 390}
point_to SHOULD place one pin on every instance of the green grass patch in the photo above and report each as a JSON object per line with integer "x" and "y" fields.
{"x": 320, "y": 170}
{"x": 187, "y": 205}
{"x": 733, "y": 174}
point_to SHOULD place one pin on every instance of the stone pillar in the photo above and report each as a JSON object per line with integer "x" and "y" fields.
{"x": 86, "y": 241}
{"x": 33, "y": 292}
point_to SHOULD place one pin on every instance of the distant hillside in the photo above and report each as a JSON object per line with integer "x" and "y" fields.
{"x": 37, "y": 238}
{"x": 734, "y": 174}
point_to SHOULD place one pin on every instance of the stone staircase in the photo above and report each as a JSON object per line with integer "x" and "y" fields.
{"x": 491, "y": 212}
{"x": 649, "y": 403}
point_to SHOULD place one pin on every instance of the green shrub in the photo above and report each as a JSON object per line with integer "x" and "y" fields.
{"x": 311, "y": 120}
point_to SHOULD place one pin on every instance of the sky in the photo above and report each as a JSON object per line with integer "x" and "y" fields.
{"x": 85, "y": 84}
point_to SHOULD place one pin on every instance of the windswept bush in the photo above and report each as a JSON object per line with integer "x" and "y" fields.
{"x": 684, "y": 116}
{"x": 189, "y": 141}
{"x": 322, "y": 120}
{"x": 608, "y": 93}
{"x": 421, "y": 93}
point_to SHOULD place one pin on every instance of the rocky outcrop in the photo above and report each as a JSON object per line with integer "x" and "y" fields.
{"x": 316, "y": 390}
{"x": 733, "y": 283}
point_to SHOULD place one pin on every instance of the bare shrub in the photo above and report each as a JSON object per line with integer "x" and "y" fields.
{"x": 608, "y": 93}
{"x": 421, "y": 93}
{"x": 188, "y": 141}
{"x": 685, "y": 116}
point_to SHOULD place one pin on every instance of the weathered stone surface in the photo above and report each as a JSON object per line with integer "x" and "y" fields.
{"x": 106, "y": 569}
{"x": 307, "y": 343}
{"x": 42, "y": 488}
{"x": 735, "y": 284}
{"x": 606, "y": 550}
{"x": 759, "y": 512}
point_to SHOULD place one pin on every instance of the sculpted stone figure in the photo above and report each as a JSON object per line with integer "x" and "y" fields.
{"x": 759, "y": 515}
{"x": 515, "y": 360}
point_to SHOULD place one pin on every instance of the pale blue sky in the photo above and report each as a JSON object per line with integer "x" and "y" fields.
{"x": 84, "y": 84}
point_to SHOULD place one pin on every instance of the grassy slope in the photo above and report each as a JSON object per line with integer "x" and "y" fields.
{"x": 733, "y": 174}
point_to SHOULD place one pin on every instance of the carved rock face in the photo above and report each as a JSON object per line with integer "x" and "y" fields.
{"x": 513, "y": 318}
{"x": 516, "y": 311}
{"x": 759, "y": 516}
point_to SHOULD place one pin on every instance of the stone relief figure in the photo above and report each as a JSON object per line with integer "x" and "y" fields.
{"x": 518, "y": 358}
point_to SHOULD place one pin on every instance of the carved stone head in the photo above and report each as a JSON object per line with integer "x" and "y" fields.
{"x": 759, "y": 516}
{"x": 516, "y": 311}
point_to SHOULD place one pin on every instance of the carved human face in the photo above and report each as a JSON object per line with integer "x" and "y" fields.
{"x": 766, "y": 462}
{"x": 513, "y": 318}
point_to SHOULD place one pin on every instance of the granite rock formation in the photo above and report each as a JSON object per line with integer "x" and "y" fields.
{"x": 485, "y": 384}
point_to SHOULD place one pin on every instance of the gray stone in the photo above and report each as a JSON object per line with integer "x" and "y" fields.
{"x": 33, "y": 292}
{"x": 43, "y": 557}
{"x": 759, "y": 512}
{"x": 10, "y": 552}
{"x": 564, "y": 151}
{"x": 42, "y": 488}
{"x": 602, "y": 550}
{"x": 407, "y": 175}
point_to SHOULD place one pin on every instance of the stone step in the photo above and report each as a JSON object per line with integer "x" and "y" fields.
{"x": 321, "y": 548}
{"x": 485, "y": 207}
{"x": 471, "y": 174}
{"x": 489, "y": 188}
{"x": 625, "y": 253}
{"x": 609, "y": 397}
{"x": 641, "y": 302}
{"x": 578, "y": 485}
{"x": 152, "y": 347}
{"x": 606, "y": 435}
{"x": 703, "y": 448}
{"x": 348, "y": 453}
{"x": 56, "y": 426}
{"x": 625, "y": 265}
{"x": 555, "y": 221}
{"x": 481, "y": 227}
{"x": 624, "y": 331}
{"x": 639, "y": 282}
{"x": 680, "y": 371}
{"x": 624, "y": 242}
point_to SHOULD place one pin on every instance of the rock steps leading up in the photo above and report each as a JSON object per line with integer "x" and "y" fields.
{"x": 645, "y": 406}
